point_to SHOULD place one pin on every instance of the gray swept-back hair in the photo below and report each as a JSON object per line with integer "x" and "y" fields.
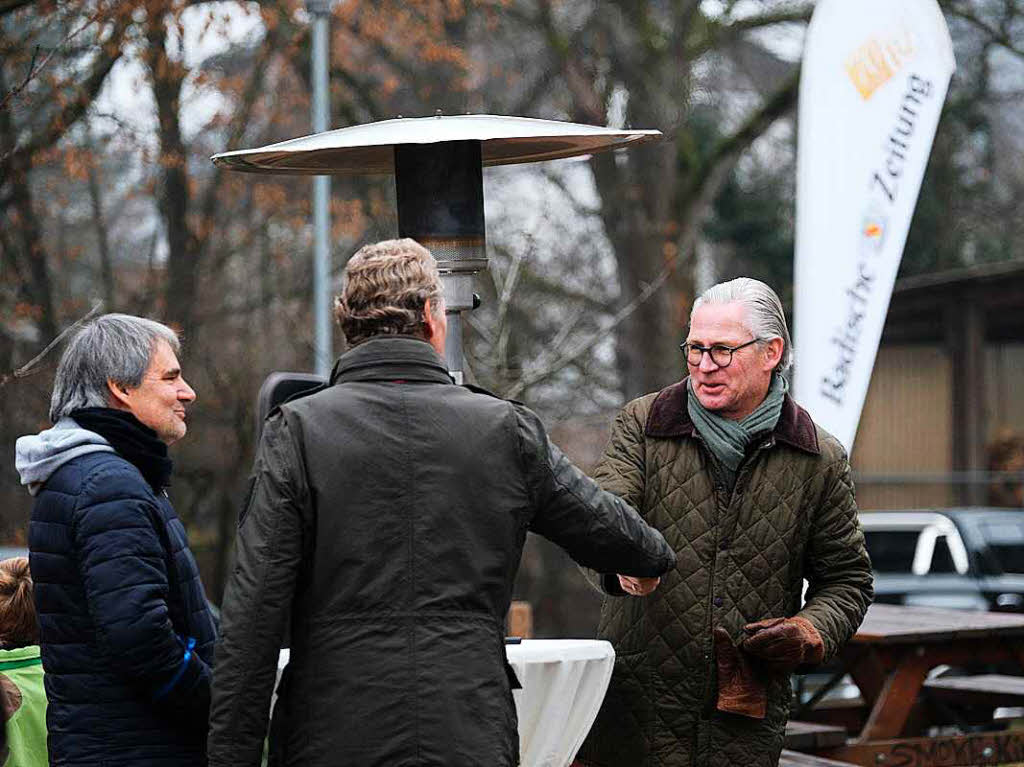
{"x": 115, "y": 347}
{"x": 764, "y": 316}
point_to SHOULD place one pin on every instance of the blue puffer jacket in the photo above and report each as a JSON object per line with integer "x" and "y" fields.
{"x": 127, "y": 635}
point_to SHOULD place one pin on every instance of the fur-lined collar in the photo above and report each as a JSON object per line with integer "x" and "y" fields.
{"x": 670, "y": 418}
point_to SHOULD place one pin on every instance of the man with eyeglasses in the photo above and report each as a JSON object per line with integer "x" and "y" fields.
{"x": 755, "y": 498}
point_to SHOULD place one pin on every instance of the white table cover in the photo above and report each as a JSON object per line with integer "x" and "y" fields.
{"x": 564, "y": 682}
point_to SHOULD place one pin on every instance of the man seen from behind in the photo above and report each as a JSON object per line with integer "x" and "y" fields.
{"x": 384, "y": 527}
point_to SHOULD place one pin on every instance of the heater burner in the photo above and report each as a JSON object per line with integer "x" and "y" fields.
{"x": 440, "y": 193}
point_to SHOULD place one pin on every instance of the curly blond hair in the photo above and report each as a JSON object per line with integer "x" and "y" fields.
{"x": 387, "y": 286}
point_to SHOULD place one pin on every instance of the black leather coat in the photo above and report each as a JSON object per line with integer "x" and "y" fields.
{"x": 387, "y": 516}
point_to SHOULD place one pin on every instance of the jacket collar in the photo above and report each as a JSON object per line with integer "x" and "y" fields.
{"x": 670, "y": 418}
{"x": 391, "y": 358}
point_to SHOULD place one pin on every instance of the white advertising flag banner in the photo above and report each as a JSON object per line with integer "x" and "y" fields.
{"x": 875, "y": 74}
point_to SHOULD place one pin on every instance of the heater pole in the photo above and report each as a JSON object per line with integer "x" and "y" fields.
{"x": 439, "y": 190}
{"x": 320, "y": 10}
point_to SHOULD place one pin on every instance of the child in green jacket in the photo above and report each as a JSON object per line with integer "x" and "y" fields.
{"x": 21, "y": 670}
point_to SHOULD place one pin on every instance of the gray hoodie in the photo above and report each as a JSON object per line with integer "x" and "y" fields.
{"x": 38, "y": 456}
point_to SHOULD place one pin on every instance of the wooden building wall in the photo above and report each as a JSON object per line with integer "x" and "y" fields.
{"x": 905, "y": 432}
{"x": 903, "y": 453}
{"x": 1004, "y": 390}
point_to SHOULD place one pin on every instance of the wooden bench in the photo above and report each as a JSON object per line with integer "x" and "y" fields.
{"x": 811, "y": 736}
{"x": 989, "y": 690}
{"x": 796, "y": 759}
{"x": 847, "y": 713}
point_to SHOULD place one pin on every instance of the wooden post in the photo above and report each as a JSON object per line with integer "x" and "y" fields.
{"x": 520, "y": 620}
{"x": 965, "y": 320}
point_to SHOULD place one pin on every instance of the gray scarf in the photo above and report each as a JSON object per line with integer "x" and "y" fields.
{"x": 728, "y": 439}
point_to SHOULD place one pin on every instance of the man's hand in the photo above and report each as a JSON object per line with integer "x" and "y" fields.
{"x": 638, "y": 587}
{"x": 783, "y": 644}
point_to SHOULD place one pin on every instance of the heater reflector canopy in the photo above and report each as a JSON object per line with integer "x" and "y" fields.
{"x": 369, "y": 148}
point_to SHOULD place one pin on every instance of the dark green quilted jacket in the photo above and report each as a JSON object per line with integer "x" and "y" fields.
{"x": 740, "y": 558}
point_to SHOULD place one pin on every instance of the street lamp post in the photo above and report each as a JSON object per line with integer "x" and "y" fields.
{"x": 320, "y": 11}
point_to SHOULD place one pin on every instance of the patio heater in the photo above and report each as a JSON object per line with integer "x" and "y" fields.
{"x": 438, "y": 166}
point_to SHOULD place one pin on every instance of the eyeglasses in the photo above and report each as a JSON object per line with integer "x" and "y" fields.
{"x": 720, "y": 354}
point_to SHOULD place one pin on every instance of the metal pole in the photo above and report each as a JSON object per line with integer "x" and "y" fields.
{"x": 322, "y": 348}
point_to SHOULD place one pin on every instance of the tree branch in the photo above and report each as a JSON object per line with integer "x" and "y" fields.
{"x": 998, "y": 36}
{"x": 707, "y": 177}
{"x": 28, "y": 77}
{"x": 538, "y": 374}
{"x": 94, "y": 185}
{"x": 362, "y": 92}
{"x": 787, "y": 16}
{"x": 29, "y": 367}
{"x": 33, "y": 70}
{"x": 557, "y": 290}
{"x": 589, "y": 106}
{"x": 110, "y": 52}
{"x": 721, "y": 33}
{"x": 685, "y": 11}
{"x": 253, "y": 89}
{"x": 8, "y": 6}
{"x": 557, "y": 180}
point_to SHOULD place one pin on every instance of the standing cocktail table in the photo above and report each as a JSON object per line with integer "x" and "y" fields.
{"x": 564, "y": 682}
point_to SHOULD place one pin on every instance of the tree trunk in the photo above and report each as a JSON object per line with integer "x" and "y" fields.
{"x": 24, "y": 221}
{"x": 182, "y": 256}
{"x": 636, "y": 191}
{"x": 100, "y": 224}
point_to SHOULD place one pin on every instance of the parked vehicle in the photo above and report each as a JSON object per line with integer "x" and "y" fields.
{"x": 971, "y": 558}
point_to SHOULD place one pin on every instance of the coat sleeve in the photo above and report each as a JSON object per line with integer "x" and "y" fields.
{"x": 836, "y": 564}
{"x": 621, "y": 471}
{"x": 622, "y": 467}
{"x": 257, "y": 599}
{"x": 123, "y": 564}
{"x": 596, "y": 528}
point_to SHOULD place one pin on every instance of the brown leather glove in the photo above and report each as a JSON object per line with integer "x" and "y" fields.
{"x": 783, "y": 644}
{"x": 740, "y": 690}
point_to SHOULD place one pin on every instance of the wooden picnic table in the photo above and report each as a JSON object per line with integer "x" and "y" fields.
{"x": 810, "y": 736}
{"x": 889, "y": 659}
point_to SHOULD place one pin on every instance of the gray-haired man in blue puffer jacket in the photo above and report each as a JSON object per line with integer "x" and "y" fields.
{"x": 126, "y": 632}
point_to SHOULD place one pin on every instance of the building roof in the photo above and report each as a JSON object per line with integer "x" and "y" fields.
{"x": 921, "y": 306}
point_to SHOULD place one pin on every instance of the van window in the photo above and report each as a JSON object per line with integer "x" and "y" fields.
{"x": 892, "y": 551}
{"x": 942, "y": 557}
{"x": 1005, "y": 541}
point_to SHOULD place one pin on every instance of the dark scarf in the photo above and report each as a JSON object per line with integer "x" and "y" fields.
{"x": 133, "y": 441}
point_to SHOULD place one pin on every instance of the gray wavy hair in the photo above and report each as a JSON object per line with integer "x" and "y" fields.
{"x": 764, "y": 316}
{"x": 113, "y": 347}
